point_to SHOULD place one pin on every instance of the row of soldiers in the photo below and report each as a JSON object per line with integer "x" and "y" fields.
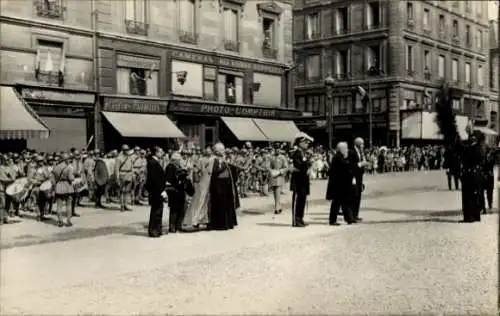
{"x": 71, "y": 176}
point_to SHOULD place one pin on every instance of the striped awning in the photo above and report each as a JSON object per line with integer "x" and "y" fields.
{"x": 143, "y": 125}
{"x": 17, "y": 119}
{"x": 278, "y": 131}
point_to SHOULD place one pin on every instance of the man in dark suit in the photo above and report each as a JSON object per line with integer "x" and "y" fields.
{"x": 452, "y": 165}
{"x": 489, "y": 180}
{"x": 359, "y": 162}
{"x": 156, "y": 184}
{"x": 341, "y": 185}
{"x": 299, "y": 182}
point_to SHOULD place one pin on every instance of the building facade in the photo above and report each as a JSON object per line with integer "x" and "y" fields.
{"x": 413, "y": 46}
{"x": 199, "y": 64}
{"x": 46, "y": 55}
{"x": 494, "y": 74}
{"x": 198, "y": 61}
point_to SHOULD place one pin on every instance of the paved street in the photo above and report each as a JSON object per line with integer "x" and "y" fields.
{"x": 408, "y": 256}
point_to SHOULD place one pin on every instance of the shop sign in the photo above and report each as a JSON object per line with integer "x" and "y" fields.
{"x": 231, "y": 110}
{"x": 225, "y": 62}
{"x": 135, "y": 105}
{"x": 59, "y": 96}
{"x": 130, "y": 61}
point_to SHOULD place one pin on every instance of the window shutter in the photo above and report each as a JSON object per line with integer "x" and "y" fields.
{"x": 221, "y": 84}
{"x": 298, "y": 28}
{"x": 123, "y": 80}
{"x": 327, "y": 22}
{"x": 152, "y": 84}
{"x": 239, "y": 89}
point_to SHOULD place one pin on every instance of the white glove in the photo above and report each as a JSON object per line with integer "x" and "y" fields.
{"x": 164, "y": 195}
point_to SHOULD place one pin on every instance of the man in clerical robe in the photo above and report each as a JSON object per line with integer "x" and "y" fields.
{"x": 224, "y": 200}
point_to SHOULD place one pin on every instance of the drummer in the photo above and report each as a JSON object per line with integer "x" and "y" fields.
{"x": 4, "y": 178}
{"x": 77, "y": 166}
{"x": 62, "y": 177}
{"x": 41, "y": 175}
{"x": 12, "y": 174}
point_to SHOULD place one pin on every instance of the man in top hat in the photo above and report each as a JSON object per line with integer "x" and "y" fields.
{"x": 300, "y": 182}
{"x": 359, "y": 163}
{"x": 124, "y": 171}
{"x": 62, "y": 180}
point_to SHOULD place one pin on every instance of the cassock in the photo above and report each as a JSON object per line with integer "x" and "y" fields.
{"x": 224, "y": 198}
{"x": 155, "y": 184}
{"x": 472, "y": 181}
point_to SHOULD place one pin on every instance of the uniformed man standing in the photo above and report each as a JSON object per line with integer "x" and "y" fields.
{"x": 42, "y": 174}
{"x": 88, "y": 171}
{"x": 300, "y": 182}
{"x": 140, "y": 164}
{"x": 77, "y": 166}
{"x": 124, "y": 172}
{"x": 62, "y": 180}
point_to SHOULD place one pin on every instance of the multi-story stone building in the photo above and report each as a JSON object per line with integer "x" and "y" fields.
{"x": 400, "y": 52}
{"x": 494, "y": 74}
{"x": 46, "y": 56}
{"x": 207, "y": 63}
{"x": 215, "y": 70}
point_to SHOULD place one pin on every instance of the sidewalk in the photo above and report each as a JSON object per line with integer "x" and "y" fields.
{"x": 95, "y": 222}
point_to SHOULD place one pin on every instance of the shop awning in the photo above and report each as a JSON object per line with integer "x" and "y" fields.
{"x": 486, "y": 130}
{"x": 143, "y": 125}
{"x": 17, "y": 119}
{"x": 244, "y": 129}
{"x": 278, "y": 131}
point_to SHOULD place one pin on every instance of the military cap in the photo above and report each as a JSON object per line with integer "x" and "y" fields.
{"x": 125, "y": 147}
{"x": 65, "y": 156}
{"x": 76, "y": 154}
{"x": 137, "y": 148}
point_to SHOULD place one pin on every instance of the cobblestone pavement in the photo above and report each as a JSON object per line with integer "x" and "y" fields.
{"x": 94, "y": 222}
{"x": 410, "y": 255}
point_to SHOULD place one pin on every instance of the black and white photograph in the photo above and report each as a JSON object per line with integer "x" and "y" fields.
{"x": 249, "y": 157}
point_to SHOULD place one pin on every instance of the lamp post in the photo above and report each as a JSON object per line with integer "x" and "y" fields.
{"x": 329, "y": 83}
{"x": 372, "y": 71}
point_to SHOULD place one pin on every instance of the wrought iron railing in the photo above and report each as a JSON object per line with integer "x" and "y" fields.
{"x": 231, "y": 45}
{"x": 49, "y": 9}
{"x": 136, "y": 27}
{"x": 188, "y": 37}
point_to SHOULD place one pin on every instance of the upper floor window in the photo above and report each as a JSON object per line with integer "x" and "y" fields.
{"x": 426, "y": 19}
{"x": 342, "y": 64}
{"x": 341, "y": 21}
{"x": 494, "y": 72}
{"x": 231, "y": 29}
{"x": 454, "y": 70}
{"x": 427, "y": 65}
{"x": 410, "y": 66}
{"x": 479, "y": 39}
{"x": 269, "y": 31}
{"x": 480, "y": 74}
{"x": 49, "y": 8}
{"x": 468, "y": 35}
{"x": 313, "y": 68}
{"x": 479, "y": 9}
{"x": 187, "y": 22}
{"x": 409, "y": 11}
{"x": 50, "y": 62}
{"x": 467, "y": 73}
{"x": 137, "y": 81}
{"x": 135, "y": 17}
{"x": 455, "y": 28}
{"x": 313, "y": 26}
{"x": 441, "y": 66}
{"x": 442, "y": 24}
{"x": 372, "y": 57}
{"x": 372, "y": 15}
{"x": 468, "y": 6}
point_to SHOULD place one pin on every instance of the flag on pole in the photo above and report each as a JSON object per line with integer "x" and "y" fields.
{"x": 364, "y": 97}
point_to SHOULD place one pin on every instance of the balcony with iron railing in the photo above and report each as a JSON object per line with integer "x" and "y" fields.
{"x": 456, "y": 39}
{"x": 341, "y": 31}
{"x": 410, "y": 23}
{"x": 231, "y": 45}
{"x": 313, "y": 79}
{"x": 456, "y": 84}
{"x": 209, "y": 97}
{"x": 49, "y": 10}
{"x": 427, "y": 75}
{"x": 442, "y": 35}
{"x": 427, "y": 30}
{"x": 313, "y": 35}
{"x": 373, "y": 26}
{"x": 268, "y": 51}
{"x": 410, "y": 72}
{"x": 188, "y": 37}
{"x": 136, "y": 27}
{"x": 342, "y": 76}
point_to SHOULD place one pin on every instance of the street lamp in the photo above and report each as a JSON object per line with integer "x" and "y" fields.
{"x": 372, "y": 72}
{"x": 329, "y": 83}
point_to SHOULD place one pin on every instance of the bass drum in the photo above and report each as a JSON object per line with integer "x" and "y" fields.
{"x": 104, "y": 171}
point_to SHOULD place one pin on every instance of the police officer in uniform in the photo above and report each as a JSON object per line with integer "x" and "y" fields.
{"x": 124, "y": 172}
{"x": 300, "y": 182}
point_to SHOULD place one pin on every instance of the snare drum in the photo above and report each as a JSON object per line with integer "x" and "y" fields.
{"x": 46, "y": 188}
{"x": 79, "y": 185}
{"x": 18, "y": 190}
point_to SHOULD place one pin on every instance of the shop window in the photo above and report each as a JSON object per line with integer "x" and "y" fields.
{"x": 137, "y": 81}
{"x": 50, "y": 62}
{"x": 209, "y": 78}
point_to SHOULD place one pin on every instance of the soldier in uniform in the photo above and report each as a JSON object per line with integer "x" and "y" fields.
{"x": 63, "y": 177}
{"x": 242, "y": 161}
{"x": 140, "y": 164}
{"x": 124, "y": 172}
{"x": 300, "y": 182}
{"x": 4, "y": 178}
{"x": 88, "y": 171}
{"x": 12, "y": 174}
{"x": 257, "y": 172}
{"x": 42, "y": 174}
{"x": 78, "y": 170}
